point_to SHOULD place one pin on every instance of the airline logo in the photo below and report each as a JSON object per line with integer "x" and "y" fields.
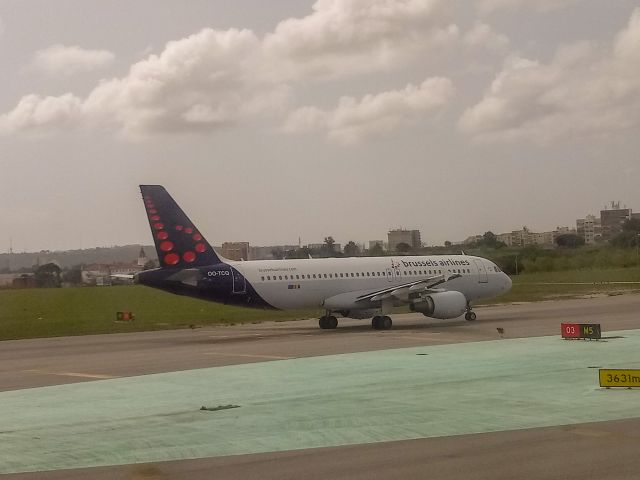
{"x": 437, "y": 263}
{"x": 178, "y": 242}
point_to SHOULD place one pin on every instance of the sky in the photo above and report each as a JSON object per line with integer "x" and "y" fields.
{"x": 274, "y": 121}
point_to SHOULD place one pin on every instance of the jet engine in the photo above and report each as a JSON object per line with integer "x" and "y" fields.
{"x": 441, "y": 305}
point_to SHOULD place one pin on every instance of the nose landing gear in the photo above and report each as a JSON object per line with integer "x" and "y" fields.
{"x": 470, "y": 316}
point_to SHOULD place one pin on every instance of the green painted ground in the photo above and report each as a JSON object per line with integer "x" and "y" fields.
{"x": 314, "y": 402}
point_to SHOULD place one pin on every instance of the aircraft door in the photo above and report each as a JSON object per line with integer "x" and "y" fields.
{"x": 389, "y": 273}
{"x": 239, "y": 282}
{"x": 483, "y": 277}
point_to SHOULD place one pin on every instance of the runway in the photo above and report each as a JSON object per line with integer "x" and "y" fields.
{"x": 535, "y": 428}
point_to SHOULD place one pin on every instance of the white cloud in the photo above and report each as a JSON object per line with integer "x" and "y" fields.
{"x": 342, "y": 37}
{"x": 352, "y": 121}
{"x": 35, "y": 112}
{"x": 584, "y": 90}
{"x": 488, "y": 6}
{"x": 202, "y": 82}
{"x": 63, "y": 60}
{"x": 215, "y": 78}
{"x": 482, "y": 35}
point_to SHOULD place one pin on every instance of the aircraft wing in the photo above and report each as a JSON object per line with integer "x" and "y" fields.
{"x": 397, "y": 293}
{"x": 401, "y": 292}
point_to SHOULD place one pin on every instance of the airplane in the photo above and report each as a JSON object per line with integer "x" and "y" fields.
{"x": 438, "y": 286}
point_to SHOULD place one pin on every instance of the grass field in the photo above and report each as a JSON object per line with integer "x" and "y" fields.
{"x": 78, "y": 311}
{"x": 539, "y": 286}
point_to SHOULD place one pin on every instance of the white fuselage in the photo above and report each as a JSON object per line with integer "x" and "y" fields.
{"x": 290, "y": 284}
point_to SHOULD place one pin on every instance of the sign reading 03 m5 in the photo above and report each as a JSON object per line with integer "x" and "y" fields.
{"x": 619, "y": 378}
{"x": 581, "y": 330}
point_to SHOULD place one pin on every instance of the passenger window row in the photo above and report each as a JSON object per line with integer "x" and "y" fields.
{"x": 309, "y": 276}
{"x": 428, "y": 272}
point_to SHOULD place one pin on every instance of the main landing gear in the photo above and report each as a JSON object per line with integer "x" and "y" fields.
{"x": 470, "y": 316}
{"x": 328, "y": 322}
{"x": 381, "y": 323}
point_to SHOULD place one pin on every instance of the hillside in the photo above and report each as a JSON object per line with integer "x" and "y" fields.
{"x": 70, "y": 258}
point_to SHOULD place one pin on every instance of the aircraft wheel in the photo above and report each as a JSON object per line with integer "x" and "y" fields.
{"x": 328, "y": 322}
{"x": 470, "y": 316}
{"x": 385, "y": 323}
{"x": 375, "y": 322}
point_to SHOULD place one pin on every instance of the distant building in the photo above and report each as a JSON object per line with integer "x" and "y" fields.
{"x": 612, "y": 219}
{"x": 142, "y": 258}
{"x": 260, "y": 253}
{"x": 409, "y": 237}
{"x": 267, "y": 252}
{"x": 517, "y": 238}
{"x": 25, "y": 280}
{"x": 589, "y": 228}
{"x": 6, "y": 279}
{"x": 101, "y": 273}
{"x": 373, "y": 243}
{"x": 17, "y": 280}
{"x": 337, "y": 247}
{"x": 235, "y": 250}
{"x": 527, "y": 238}
{"x": 473, "y": 239}
{"x": 543, "y": 238}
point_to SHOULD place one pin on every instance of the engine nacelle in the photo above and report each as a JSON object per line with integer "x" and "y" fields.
{"x": 441, "y": 305}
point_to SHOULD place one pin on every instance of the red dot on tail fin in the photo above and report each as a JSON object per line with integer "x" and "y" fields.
{"x": 171, "y": 259}
{"x": 166, "y": 246}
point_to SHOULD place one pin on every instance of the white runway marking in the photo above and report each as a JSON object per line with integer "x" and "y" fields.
{"x": 247, "y": 355}
{"x": 72, "y": 374}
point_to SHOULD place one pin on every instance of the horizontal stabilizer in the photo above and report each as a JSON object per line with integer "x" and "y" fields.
{"x": 188, "y": 276}
{"x": 123, "y": 276}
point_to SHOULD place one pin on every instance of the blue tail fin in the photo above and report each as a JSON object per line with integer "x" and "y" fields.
{"x": 178, "y": 242}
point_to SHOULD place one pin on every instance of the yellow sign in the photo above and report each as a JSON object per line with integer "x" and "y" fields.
{"x": 619, "y": 378}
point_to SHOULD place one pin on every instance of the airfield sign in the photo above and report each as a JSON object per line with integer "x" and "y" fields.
{"x": 619, "y": 378}
{"x": 592, "y": 331}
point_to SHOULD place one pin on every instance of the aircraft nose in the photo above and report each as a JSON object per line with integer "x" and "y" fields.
{"x": 507, "y": 283}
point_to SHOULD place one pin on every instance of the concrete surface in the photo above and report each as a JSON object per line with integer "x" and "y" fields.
{"x": 313, "y": 402}
{"x": 390, "y": 393}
